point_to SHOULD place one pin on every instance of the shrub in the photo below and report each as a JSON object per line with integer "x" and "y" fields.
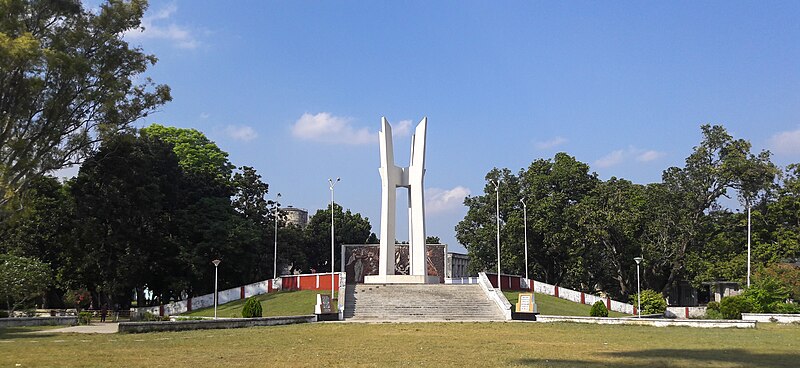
{"x": 150, "y": 317}
{"x": 599, "y": 309}
{"x": 786, "y": 308}
{"x": 766, "y": 293}
{"x": 80, "y": 299}
{"x": 788, "y": 275}
{"x": 652, "y": 302}
{"x": 252, "y": 308}
{"x": 712, "y": 306}
{"x": 3, "y": 314}
{"x": 713, "y": 313}
{"x": 732, "y": 307}
{"x": 84, "y": 318}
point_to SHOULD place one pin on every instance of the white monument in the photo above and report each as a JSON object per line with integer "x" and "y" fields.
{"x": 411, "y": 178}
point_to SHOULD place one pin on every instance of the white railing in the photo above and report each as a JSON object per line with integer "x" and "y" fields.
{"x": 495, "y": 295}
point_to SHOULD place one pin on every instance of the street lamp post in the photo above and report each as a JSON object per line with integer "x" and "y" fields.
{"x": 748, "y": 243}
{"x": 638, "y": 286}
{"x": 496, "y": 184}
{"x": 275, "y": 255}
{"x": 332, "y": 184}
{"x": 216, "y": 263}
{"x": 525, "y": 222}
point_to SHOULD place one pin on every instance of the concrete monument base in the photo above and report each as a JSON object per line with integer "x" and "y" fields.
{"x": 401, "y": 279}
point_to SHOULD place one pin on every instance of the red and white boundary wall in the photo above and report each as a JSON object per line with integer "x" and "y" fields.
{"x": 511, "y": 282}
{"x": 313, "y": 281}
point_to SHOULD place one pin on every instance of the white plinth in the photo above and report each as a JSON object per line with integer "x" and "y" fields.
{"x": 401, "y": 279}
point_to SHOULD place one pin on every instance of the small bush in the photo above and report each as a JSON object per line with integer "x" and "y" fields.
{"x": 252, "y": 308}
{"x": 652, "y": 302}
{"x": 766, "y": 293}
{"x": 786, "y": 308}
{"x": 713, "y": 306}
{"x": 84, "y": 318}
{"x": 150, "y": 317}
{"x": 713, "y": 313}
{"x": 732, "y": 307}
{"x": 599, "y": 309}
{"x": 3, "y": 314}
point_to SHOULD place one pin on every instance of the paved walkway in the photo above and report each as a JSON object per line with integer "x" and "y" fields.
{"x": 92, "y": 328}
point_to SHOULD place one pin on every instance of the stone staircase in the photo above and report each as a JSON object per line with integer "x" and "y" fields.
{"x": 405, "y": 302}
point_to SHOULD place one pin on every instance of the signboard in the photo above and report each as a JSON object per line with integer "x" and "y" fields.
{"x": 525, "y": 303}
{"x": 323, "y": 304}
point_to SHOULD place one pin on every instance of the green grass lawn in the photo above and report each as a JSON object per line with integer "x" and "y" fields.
{"x": 497, "y": 344}
{"x": 550, "y": 305}
{"x": 284, "y": 303}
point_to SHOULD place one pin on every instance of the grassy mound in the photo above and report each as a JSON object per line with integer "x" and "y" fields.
{"x": 550, "y": 305}
{"x": 283, "y": 303}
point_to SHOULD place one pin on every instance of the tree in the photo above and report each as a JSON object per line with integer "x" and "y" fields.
{"x": 127, "y": 196}
{"x": 198, "y": 155}
{"x": 716, "y": 165}
{"x": 22, "y": 279}
{"x": 552, "y": 189}
{"x": 350, "y": 228}
{"x": 43, "y": 230}
{"x": 68, "y": 80}
{"x": 432, "y": 240}
{"x": 611, "y": 222}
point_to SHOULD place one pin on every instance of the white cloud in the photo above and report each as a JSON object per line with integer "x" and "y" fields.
{"x": 158, "y": 27}
{"x": 611, "y": 159}
{"x": 787, "y": 142}
{"x": 401, "y": 128}
{"x": 324, "y": 127}
{"x": 444, "y": 200}
{"x": 242, "y": 133}
{"x": 204, "y": 115}
{"x": 648, "y": 156}
{"x": 619, "y": 156}
{"x": 551, "y": 143}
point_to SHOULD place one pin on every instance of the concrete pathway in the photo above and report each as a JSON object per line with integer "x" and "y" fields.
{"x": 92, "y": 328}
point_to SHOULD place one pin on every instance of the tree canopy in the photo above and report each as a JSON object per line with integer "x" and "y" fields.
{"x": 584, "y": 232}
{"x": 68, "y": 80}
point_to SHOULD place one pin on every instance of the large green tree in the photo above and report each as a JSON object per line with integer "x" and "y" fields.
{"x": 350, "y": 228}
{"x": 127, "y": 196}
{"x": 68, "y": 80}
{"x": 551, "y": 189}
{"x": 718, "y": 164}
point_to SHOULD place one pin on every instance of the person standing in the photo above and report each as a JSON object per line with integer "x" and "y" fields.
{"x": 103, "y": 312}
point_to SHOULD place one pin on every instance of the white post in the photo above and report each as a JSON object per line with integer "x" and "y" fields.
{"x": 748, "y": 243}
{"x": 275, "y": 255}
{"x": 216, "y": 263}
{"x": 525, "y": 222}
{"x": 497, "y": 218}
{"x": 332, "y": 184}
{"x": 638, "y": 288}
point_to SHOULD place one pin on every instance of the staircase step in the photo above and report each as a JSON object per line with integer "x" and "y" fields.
{"x": 395, "y": 302}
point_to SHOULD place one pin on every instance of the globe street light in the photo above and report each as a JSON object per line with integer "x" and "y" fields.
{"x": 525, "y": 216}
{"x": 275, "y": 256}
{"x": 216, "y": 263}
{"x": 638, "y": 286}
{"x": 332, "y": 184}
{"x": 496, "y": 184}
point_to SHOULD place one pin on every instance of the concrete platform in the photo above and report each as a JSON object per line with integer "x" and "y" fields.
{"x": 401, "y": 279}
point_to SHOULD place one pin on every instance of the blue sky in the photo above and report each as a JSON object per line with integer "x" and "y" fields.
{"x": 297, "y": 89}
